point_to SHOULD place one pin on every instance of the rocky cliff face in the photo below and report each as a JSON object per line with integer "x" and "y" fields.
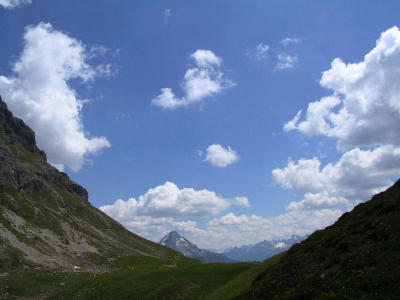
{"x": 45, "y": 218}
{"x": 22, "y": 164}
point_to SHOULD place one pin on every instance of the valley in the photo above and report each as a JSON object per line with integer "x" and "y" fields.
{"x": 56, "y": 245}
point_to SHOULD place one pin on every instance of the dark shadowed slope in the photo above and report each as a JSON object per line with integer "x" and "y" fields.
{"x": 357, "y": 257}
{"x": 45, "y": 218}
{"x": 177, "y": 242}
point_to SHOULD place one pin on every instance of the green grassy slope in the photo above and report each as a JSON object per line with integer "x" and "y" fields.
{"x": 46, "y": 219}
{"x": 138, "y": 277}
{"x": 134, "y": 277}
{"x": 242, "y": 281}
{"x": 357, "y": 257}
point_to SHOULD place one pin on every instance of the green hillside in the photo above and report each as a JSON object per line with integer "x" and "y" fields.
{"x": 356, "y": 258}
{"x": 46, "y": 220}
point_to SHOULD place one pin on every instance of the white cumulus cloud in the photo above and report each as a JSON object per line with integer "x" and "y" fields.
{"x": 320, "y": 200}
{"x": 168, "y": 200}
{"x": 10, "y": 4}
{"x": 357, "y": 176}
{"x": 363, "y": 115}
{"x": 241, "y": 201}
{"x": 156, "y": 212}
{"x": 219, "y": 156}
{"x": 202, "y": 80}
{"x": 364, "y": 109}
{"x": 38, "y": 92}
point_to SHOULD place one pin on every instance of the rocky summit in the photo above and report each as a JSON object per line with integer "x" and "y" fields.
{"x": 46, "y": 219}
{"x": 177, "y": 242}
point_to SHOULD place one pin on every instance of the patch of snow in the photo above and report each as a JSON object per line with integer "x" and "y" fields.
{"x": 280, "y": 245}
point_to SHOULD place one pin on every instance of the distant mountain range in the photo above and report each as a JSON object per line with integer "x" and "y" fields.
{"x": 261, "y": 251}
{"x": 257, "y": 252}
{"x": 177, "y": 242}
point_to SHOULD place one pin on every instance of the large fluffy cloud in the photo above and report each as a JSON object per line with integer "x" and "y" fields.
{"x": 168, "y": 200}
{"x": 321, "y": 200}
{"x": 204, "y": 79}
{"x": 38, "y": 92}
{"x": 364, "y": 109}
{"x": 165, "y": 207}
{"x": 355, "y": 177}
{"x": 363, "y": 114}
{"x": 219, "y": 156}
{"x": 10, "y": 4}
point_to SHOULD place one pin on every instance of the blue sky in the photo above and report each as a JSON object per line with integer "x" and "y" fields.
{"x": 184, "y": 107}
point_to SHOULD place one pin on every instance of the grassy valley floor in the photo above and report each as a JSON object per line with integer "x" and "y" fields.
{"x": 138, "y": 277}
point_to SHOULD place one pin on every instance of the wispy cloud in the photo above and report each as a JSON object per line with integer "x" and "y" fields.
{"x": 287, "y": 41}
{"x": 260, "y": 52}
{"x": 122, "y": 116}
{"x": 10, "y": 4}
{"x": 286, "y": 61}
{"x": 167, "y": 12}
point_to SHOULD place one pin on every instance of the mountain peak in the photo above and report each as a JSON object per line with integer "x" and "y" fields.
{"x": 179, "y": 243}
{"x": 18, "y": 132}
{"x": 173, "y": 233}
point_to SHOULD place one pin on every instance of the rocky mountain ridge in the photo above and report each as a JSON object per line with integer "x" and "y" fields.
{"x": 262, "y": 250}
{"x": 45, "y": 218}
{"x": 177, "y": 242}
